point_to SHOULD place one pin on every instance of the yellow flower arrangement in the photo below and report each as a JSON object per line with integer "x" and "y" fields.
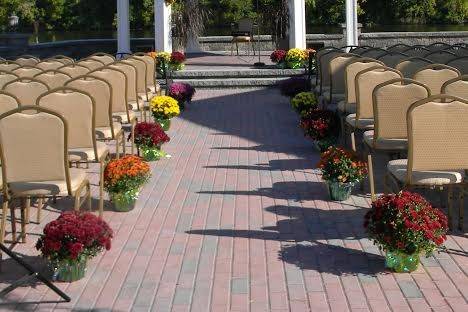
{"x": 164, "y": 55}
{"x": 296, "y": 55}
{"x": 164, "y": 107}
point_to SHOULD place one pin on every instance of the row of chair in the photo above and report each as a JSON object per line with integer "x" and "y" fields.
{"x": 61, "y": 117}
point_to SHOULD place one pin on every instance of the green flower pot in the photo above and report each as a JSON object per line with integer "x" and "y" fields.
{"x": 124, "y": 201}
{"x": 151, "y": 153}
{"x": 340, "y": 191}
{"x": 401, "y": 262}
{"x": 165, "y": 123}
{"x": 70, "y": 272}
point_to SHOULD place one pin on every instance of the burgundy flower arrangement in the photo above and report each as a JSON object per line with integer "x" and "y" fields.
{"x": 182, "y": 92}
{"x": 321, "y": 126}
{"x": 177, "y": 60}
{"x": 74, "y": 237}
{"x": 278, "y": 56}
{"x": 149, "y": 137}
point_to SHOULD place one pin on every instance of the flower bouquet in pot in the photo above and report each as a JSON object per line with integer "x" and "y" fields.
{"x": 278, "y": 57}
{"x": 70, "y": 240}
{"x": 296, "y": 58}
{"x": 149, "y": 137}
{"x": 177, "y": 60}
{"x": 321, "y": 126}
{"x": 162, "y": 61}
{"x": 405, "y": 225}
{"x": 164, "y": 108}
{"x": 304, "y": 102}
{"x": 123, "y": 179}
{"x": 182, "y": 92}
{"x": 341, "y": 169}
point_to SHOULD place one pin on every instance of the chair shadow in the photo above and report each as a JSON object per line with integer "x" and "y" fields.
{"x": 274, "y": 165}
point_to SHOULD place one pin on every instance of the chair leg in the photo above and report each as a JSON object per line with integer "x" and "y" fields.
{"x": 371, "y": 176}
{"x": 353, "y": 141}
{"x": 27, "y": 206}
{"x": 3, "y": 222}
{"x": 88, "y": 195}
{"x": 450, "y": 207}
{"x": 237, "y": 48}
{"x": 40, "y": 205}
{"x": 101, "y": 187}
{"x": 13, "y": 224}
{"x": 132, "y": 137}
{"x": 23, "y": 225}
{"x": 461, "y": 212}
{"x": 117, "y": 146}
{"x": 124, "y": 150}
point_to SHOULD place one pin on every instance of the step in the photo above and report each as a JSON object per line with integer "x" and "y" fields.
{"x": 233, "y": 82}
{"x": 236, "y": 73}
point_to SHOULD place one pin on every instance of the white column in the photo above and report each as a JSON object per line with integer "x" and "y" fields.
{"x": 297, "y": 25}
{"x": 352, "y": 37}
{"x": 123, "y": 27}
{"x": 162, "y": 26}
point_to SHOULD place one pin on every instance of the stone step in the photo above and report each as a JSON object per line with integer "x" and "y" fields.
{"x": 236, "y": 73}
{"x": 233, "y": 82}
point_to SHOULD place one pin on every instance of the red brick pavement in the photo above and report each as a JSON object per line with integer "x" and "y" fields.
{"x": 238, "y": 220}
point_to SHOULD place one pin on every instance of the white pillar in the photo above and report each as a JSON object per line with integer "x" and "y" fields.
{"x": 123, "y": 27}
{"x": 162, "y": 26}
{"x": 297, "y": 25}
{"x": 352, "y": 37}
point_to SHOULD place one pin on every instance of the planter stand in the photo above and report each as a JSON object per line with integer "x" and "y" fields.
{"x": 32, "y": 274}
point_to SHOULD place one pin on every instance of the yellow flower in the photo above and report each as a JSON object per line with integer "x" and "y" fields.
{"x": 296, "y": 55}
{"x": 164, "y": 107}
{"x": 163, "y": 55}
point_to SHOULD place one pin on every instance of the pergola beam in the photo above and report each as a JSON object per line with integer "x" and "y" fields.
{"x": 352, "y": 36}
{"x": 162, "y": 26}
{"x": 297, "y": 24}
{"x": 123, "y": 26}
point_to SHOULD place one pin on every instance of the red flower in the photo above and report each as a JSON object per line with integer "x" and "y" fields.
{"x": 150, "y": 134}
{"x": 177, "y": 57}
{"x": 278, "y": 56}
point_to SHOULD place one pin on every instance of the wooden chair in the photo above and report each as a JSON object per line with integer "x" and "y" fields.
{"x": 435, "y": 75}
{"x": 460, "y": 63}
{"x": 33, "y": 149}
{"x": 391, "y": 101}
{"x": 53, "y": 78}
{"x": 78, "y": 109}
{"x": 74, "y": 70}
{"x": 102, "y": 57}
{"x": 27, "y": 60}
{"x": 436, "y": 149}
{"x": 26, "y": 71}
{"x": 456, "y": 87}
{"x": 408, "y": 67}
{"x": 27, "y": 90}
{"x": 5, "y": 77}
{"x": 243, "y": 33}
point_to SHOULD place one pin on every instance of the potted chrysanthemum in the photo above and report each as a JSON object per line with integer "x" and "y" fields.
{"x": 123, "y": 179}
{"x": 149, "y": 138}
{"x": 296, "y": 58}
{"x": 71, "y": 240}
{"x": 182, "y": 92}
{"x": 177, "y": 61}
{"x": 164, "y": 108}
{"x": 405, "y": 225}
{"x": 341, "y": 169}
{"x": 278, "y": 57}
{"x": 304, "y": 102}
{"x": 321, "y": 126}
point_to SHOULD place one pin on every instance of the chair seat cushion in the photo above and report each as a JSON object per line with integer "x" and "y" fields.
{"x": 105, "y": 133}
{"x": 398, "y": 168}
{"x": 344, "y": 107}
{"x": 48, "y": 188}
{"x": 363, "y": 124}
{"x": 122, "y": 116}
{"x": 87, "y": 153}
{"x": 384, "y": 144}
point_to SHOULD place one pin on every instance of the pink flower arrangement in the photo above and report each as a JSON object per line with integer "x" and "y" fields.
{"x": 181, "y": 91}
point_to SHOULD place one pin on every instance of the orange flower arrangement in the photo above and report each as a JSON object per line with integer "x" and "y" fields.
{"x": 342, "y": 166}
{"x": 126, "y": 173}
{"x": 153, "y": 54}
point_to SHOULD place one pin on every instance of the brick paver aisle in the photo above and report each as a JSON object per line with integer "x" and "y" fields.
{"x": 238, "y": 220}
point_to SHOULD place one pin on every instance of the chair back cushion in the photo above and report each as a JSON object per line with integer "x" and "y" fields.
{"x": 150, "y": 68}
{"x": 118, "y": 81}
{"x": 391, "y": 59}
{"x": 7, "y": 102}
{"x": 434, "y": 76}
{"x": 8, "y": 66}
{"x": 106, "y": 59}
{"x": 27, "y": 60}
{"x": 131, "y": 75}
{"x": 74, "y": 70}
{"x": 27, "y": 71}
{"x": 337, "y": 71}
{"x": 53, "y": 78}
{"x": 351, "y": 70}
{"x": 91, "y": 64}
{"x": 440, "y": 57}
{"x": 460, "y": 63}
{"x": 49, "y": 64}
{"x": 457, "y": 87}
{"x": 408, "y": 67}
{"x": 26, "y": 90}
{"x": 140, "y": 67}
{"x": 6, "y": 77}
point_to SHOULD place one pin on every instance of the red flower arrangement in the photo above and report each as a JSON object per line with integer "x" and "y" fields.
{"x": 177, "y": 57}
{"x": 278, "y": 56}
{"x": 406, "y": 222}
{"x": 319, "y": 124}
{"x": 74, "y": 237}
{"x": 342, "y": 166}
{"x": 150, "y": 135}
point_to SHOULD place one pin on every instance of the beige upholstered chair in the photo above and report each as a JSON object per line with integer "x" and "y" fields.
{"x": 392, "y": 58}
{"x": 435, "y": 75}
{"x": 91, "y": 64}
{"x": 437, "y": 46}
{"x": 456, "y": 87}
{"x": 26, "y": 71}
{"x": 460, "y": 63}
{"x": 436, "y": 150}
{"x": 8, "y": 102}
{"x": 411, "y": 65}
{"x": 27, "y": 60}
{"x": 74, "y": 70}
{"x": 53, "y": 78}
{"x": 78, "y": 109}
{"x": 336, "y": 69}
{"x": 360, "y": 49}
{"x": 391, "y": 100}
{"x": 440, "y": 57}
{"x": 106, "y": 128}
{"x": 416, "y": 51}
{"x": 49, "y": 64}
{"x": 400, "y": 47}
{"x": 102, "y": 57}
{"x": 120, "y": 109}
{"x": 140, "y": 67}
{"x": 317, "y": 57}
{"x": 27, "y": 90}
{"x": 324, "y": 61}
{"x": 373, "y": 53}
{"x": 8, "y": 65}
{"x": 365, "y": 82}
{"x": 130, "y": 72}
{"x": 5, "y": 77}
{"x": 151, "y": 84}
{"x": 64, "y": 59}
{"x": 44, "y": 172}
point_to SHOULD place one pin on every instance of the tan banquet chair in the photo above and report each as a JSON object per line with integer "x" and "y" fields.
{"x": 373, "y": 53}
{"x": 324, "y": 61}
{"x": 151, "y": 84}
{"x": 408, "y": 67}
{"x": 27, "y": 60}
{"x": 391, "y": 59}
{"x": 457, "y": 87}
{"x": 78, "y": 109}
{"x": 435, "y": 75}
{"x": 391, "y": 101}
{"x": 6, "y": 77}
{"x": 399, "y": 48}
{"x": 460, "y": 63}
{"x": 440, "y": 57}
{"x": 141, "y": 69}
{"x": 102, "y": 57}
{"x": 74, "y": 70}
{"x": 436, "y": 150}
{"x": 437, "y": 46}
{"x": 53, "y": 78}
{"x": 106, "y": 128}
{"x": 91, "y": 64}
{"x": 337, "y": 77}
{"x": 8, "y": 65}
{"x": 27, "y": 90}
{"x": 50, "y": 64}
{"x": 365, "y": 82}
{"x": 64, "y": 59}
{"x": 8, "y": 102}
{"x": 317, "y": 56}
{"x": 33, "y": 149}
{"x": 26, "y": 71}
{"x": 416, "y": 51}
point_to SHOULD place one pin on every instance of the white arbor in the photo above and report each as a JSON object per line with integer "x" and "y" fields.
{"x": 162, "y": 25}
